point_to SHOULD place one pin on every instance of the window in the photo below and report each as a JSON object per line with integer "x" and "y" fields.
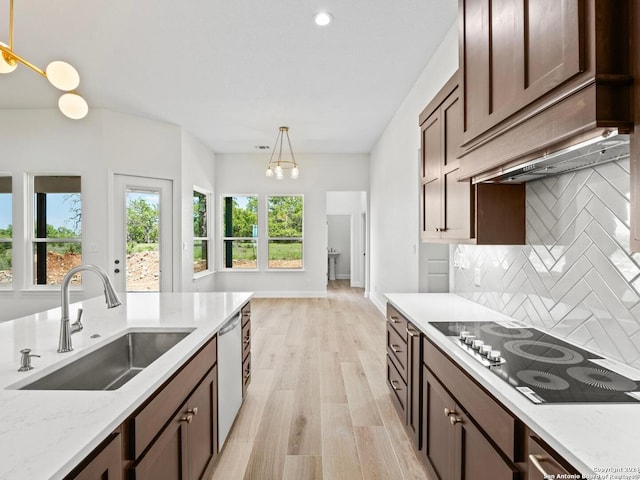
{"x": 6, "y": 232}
{"x": 57, "y": 228}
{"x": 200, "y": 231}
{"x": 285, "y": 217}
{"x": 240, "y": 232}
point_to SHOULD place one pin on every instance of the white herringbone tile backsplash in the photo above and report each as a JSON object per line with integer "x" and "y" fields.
{"x": 576, "y": 276}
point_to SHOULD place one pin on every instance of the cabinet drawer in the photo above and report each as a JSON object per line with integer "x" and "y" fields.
{"x": 246, "y": 374}
{"x": 396, "y": 321}
{"x": 246, "y": 339}
{"x": 148, "y": 421}
{"x": 542, "y": 463}
{"x": 497, "y": 423}
{"x": 398, "y": 387}
{"x": 397, "y": 350}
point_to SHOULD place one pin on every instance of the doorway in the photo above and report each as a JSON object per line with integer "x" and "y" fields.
{"x": 143, "y": 230}
{"x": 347, "y": 225}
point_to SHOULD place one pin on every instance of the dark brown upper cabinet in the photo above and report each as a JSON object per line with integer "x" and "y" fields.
{"x": 537, "y": 75}
{"x": 454, "y": 211}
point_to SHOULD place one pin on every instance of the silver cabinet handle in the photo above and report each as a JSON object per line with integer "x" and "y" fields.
{"x": 187, "y": 418}
{"x": 412, "y": 333}
{"x": 448, "y": 412}
{"x": 393, "y": 319}
{"x": 394, "y": 386}
{"x": 454, "y": 420}
{"x": 193, "y": 411}
{"x": 395, "y": 348}
{"x": 536, "y": 459}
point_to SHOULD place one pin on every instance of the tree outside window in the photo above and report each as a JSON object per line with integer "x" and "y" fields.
{"x": 285, "y": 231}
{"x": 57, "y": 228}
{"x": 6, "y": 232}
{"x": 200, "y": 232}
{"x": 240, "y": 232}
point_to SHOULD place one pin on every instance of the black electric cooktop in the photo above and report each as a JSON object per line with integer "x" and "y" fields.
{"x": 543, "y": 368}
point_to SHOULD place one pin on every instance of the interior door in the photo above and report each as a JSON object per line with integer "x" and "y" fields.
{"x": 143, "y": 231}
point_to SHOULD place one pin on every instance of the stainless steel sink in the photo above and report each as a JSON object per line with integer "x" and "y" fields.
{"x": 112, "y": 365}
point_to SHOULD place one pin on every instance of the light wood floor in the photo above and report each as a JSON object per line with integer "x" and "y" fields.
{"x": 318, "y": 406}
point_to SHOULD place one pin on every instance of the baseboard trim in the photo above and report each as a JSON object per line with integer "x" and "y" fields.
{"x": 380, "y": 303}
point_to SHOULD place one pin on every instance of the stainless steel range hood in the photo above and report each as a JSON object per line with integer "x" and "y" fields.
{"x": 607, "y": 147}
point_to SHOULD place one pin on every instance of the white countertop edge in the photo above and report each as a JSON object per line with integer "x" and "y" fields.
{"x": 39, "y": 453}
{"x": 593, "y": 423}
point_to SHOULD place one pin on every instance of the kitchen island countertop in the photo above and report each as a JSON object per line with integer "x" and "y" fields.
{"x": 45, "y": 434}
{"x": 595, "y": 438}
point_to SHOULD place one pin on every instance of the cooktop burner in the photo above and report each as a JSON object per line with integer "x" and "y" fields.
{"x": 545, "y": 380}
{"x": 543, "y": 352}
{"x": 602, "y": 378}
{"x": 543, "y": 368}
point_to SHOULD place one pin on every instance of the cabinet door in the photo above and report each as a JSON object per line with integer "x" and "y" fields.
{"x": 167, "y": 456}
{"x": 475, "y": 457}
{"x": 457, "y": 211}
{"x": 106, "y": 464}
{"x": 432, "y": 189}
{"x": 514, "y": 52}
{"x": 202, "y": 434}
{"x": 439, "y": 435}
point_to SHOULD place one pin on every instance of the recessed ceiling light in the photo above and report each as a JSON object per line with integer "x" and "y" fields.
{"x": 323, "y": 19}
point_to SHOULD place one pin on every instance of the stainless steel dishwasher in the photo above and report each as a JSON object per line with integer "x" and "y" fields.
{"x": 229, "y": 375}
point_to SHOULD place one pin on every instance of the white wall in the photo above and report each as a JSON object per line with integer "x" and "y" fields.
{"x": 394, "y": 208}
{"x": 104, "y": 143}
{"x": 353, "y": 204}
{"x": 244, "y": 174}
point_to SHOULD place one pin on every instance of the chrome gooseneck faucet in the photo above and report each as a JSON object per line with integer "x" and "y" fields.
{"x": 110, "y": 297}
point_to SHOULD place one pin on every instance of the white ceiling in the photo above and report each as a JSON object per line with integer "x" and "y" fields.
{"x": 232, "y": 71}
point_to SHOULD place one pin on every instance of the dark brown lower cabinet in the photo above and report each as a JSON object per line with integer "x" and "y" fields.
{"x": 187, "y": 443}
{"x": 105, "y": 463}
{"x": 455, "y": 448}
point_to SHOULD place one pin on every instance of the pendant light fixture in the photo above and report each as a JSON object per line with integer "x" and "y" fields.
{"x": 60, "y": 74}
{"x": 280, "y": 164}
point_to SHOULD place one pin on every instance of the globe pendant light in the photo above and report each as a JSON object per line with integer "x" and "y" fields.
{"x": 60, "y": 74}
{"x": 7, "y": 64}
{"x": 277, "y": 166}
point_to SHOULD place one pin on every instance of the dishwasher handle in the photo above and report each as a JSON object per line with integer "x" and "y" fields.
{"x": 230, "y": 325}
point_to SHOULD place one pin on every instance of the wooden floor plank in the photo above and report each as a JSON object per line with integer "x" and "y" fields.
{"x": 233, "y": 461}
{"x": 302, "y": 467}
{"x": 305, "y": 430}
{"x": 377, "y": 457}
{"x": 331, "y": 380}
{"x": 270, "y": 447}
{"x": 339, "y": 448}
{"x": 362, "y": 405}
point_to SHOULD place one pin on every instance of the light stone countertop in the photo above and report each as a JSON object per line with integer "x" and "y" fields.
{"x": 45, "y": 434}
{"x": 592, "y": 437}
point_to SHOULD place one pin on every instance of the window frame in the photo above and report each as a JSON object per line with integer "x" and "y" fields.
{"x": 300, "y": 239}
{"x": 224, "y": 239}
{"x": 9, "y": 240}
{"x": 31, "y": 231}
{"x": 208, "y": 238}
